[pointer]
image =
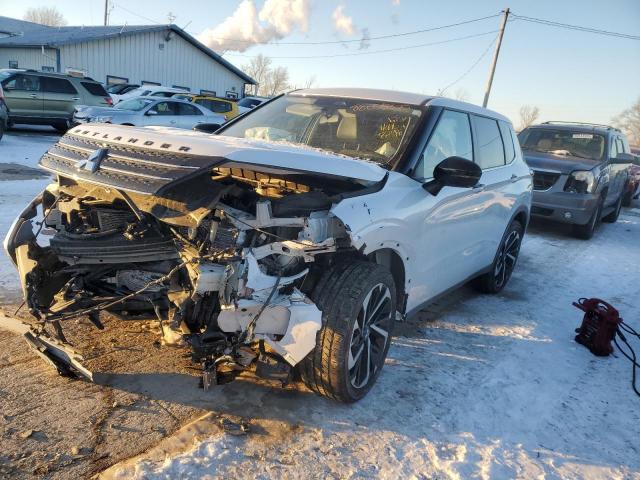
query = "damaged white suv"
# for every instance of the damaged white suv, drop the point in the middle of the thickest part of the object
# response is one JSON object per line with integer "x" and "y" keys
{"x": 294, "y": 237}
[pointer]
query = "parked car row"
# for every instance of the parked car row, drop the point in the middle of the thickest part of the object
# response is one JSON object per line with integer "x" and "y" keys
{"x": 62, "y": 100}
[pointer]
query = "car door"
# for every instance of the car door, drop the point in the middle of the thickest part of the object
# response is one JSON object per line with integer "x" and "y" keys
{"x": 59, "y": 97}
{"x": 23, "y": 95}
{"x": 189, "y": 115}
{"x": 163, "y": 113}
{"x": 495, "y": 153}
{"x": 449, "y": 222}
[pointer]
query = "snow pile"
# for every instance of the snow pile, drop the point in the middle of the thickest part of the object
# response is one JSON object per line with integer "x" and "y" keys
{"x": 476, "y": 387}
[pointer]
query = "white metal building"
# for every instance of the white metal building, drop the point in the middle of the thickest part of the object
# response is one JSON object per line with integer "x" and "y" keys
{"x": 153, "y": 54}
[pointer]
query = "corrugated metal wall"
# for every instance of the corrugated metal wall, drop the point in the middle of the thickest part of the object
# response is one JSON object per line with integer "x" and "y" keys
{"x": 28, "y": 57}
{"x": 148, "y": 56}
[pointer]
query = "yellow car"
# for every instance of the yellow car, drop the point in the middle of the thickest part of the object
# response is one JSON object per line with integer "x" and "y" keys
{"x": 225, "y": 107}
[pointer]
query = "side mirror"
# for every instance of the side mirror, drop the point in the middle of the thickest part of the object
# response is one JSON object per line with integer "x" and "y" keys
{"x": 207, "y": 127}
{"x": 624, "y": 158}
{"x": 453, "y": 172}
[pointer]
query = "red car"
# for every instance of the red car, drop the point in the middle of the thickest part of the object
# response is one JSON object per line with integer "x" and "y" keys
{"x": 632, "y": 189}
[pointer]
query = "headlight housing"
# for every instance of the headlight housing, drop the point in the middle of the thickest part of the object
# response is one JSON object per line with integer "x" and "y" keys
{"x": 580, "y": 181}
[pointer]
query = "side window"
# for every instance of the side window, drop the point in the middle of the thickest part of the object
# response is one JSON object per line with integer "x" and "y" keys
{"x": 184, "y": 109}
{"x": 620, "y": 145}
{"x": 489, "y": 141}
{"x": 507, "y": 140}
{"x": 625, "y": 145}
{"x": 57, "y": 85}
{"x": 613, "y": 148}
{"x": 29, "y": 83}
{"x": 164, "y": 108}
{"x": 451, "y": 137}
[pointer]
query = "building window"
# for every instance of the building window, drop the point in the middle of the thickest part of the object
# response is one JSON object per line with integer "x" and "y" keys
{"x": 113, "y": 80}
{"x": 186, "y": 89}
{"x": 231, "y": 94}
{"x": 13, "y": 64}
{"x": 149, "y": 82}
{"x": 211, "y": 93}
{"x": 161, "y": 46}
{"x": 46, "y": 68}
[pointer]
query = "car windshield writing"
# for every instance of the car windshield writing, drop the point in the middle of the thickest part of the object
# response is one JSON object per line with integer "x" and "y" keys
{"x": 374, "y": 130}
{"x": 135, "y": 104}
{"x": 563, "y": 143}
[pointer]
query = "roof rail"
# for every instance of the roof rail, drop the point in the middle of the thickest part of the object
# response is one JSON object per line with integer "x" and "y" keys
{"x": 589, "y": 124}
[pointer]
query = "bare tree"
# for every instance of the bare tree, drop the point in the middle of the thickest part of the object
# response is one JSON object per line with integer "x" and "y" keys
{"x": 629, "y": 122}
{"x": 528, "y": 116}
{"x": 277, "y": 82}
{"x": 310, "y": 82}
{"x": 271, "y": 81}
{"x": 45, "y": 16}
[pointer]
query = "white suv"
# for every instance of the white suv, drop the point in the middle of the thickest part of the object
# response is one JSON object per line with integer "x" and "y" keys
{"x": 293, "y": 238}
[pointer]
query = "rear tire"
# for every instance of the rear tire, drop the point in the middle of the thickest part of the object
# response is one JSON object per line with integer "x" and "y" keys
{"x": 358, "y": 303}
{"x": 585, "y": 232}
{"x": 613, "y": 216}
{"x": 504, "y": 262}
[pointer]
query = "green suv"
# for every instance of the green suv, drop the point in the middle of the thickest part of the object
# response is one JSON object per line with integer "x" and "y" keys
{"x": 44, "y": 98}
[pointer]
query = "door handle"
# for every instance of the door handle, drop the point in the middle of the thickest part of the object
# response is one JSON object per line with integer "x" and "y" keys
{"x": 514, "y": 177}
{"x": 34, "y": 95}
{"x": 75, "y": 99}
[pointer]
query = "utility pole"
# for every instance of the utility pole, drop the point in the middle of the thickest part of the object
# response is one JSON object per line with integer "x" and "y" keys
{"x": 106, "y": 12}
{"x": 495, "y": 59}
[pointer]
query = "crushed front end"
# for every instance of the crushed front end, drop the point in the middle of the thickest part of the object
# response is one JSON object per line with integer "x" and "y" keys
{"x": 224, "y": 253}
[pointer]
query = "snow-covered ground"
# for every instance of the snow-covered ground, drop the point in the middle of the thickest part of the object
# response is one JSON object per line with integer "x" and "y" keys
{"x": 476, "y": 387}
{"x": 25, "y": 147}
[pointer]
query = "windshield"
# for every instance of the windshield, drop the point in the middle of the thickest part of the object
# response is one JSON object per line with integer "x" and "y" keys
{"x": 563, "y": 143}
{"x": 135, "y": 104}
{"x": 368, "y": 129}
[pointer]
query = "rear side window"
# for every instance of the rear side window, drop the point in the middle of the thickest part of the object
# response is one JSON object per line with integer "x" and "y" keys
{"x": 94, "y": 89}
{"x": 162, "y": 94}
{"x": 215, "y": 106}
{"x": 57, "y": 85}
{"x": 185, "y": 109}
{"x": 451, "y": 137}
{"x": 489, "y": 141}
{"x": 507, "y": 140}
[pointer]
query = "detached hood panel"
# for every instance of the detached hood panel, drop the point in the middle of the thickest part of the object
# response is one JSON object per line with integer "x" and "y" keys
{"x": 562, "y": 164}
{"x": 148, "y": 160}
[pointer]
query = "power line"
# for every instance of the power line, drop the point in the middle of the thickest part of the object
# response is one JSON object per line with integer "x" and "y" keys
{"x": 474, "y": 65}
{"x": 579, "y": 28}
{"x": 372, "y": 52}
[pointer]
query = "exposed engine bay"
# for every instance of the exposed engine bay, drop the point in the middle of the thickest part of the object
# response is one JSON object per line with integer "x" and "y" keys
{"x": 226, "y": 255}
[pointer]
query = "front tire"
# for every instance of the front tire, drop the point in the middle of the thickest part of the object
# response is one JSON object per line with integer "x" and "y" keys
{"x": 358, "y": 303}
{"x": 504, "y": 262}
{"x": 585, "y": 232}
{"x": 613, "y": 216}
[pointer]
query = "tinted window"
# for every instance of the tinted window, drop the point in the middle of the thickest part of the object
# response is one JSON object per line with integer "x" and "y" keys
{"x": 94, "y": 89}
{"x": 30, "y": 83}
{"x": 507, "y": 140}
{"x": 489, "y": 141}
{"x": 613, "y": 149}
{"x": 165, "y": 108}
{"x": 184, "y": 109}
{"x": 162, "y": 94}
{"x": 451, "y": 137}
{"x": 57, "y": 85}
{"x": 620, "y": 146}
{"x": 215, "y": 105}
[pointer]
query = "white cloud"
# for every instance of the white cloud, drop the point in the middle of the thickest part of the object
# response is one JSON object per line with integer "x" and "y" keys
{"x": 247, "y": 27}
{"x": 343, "y": 23}
{"x": 395, "y": 3}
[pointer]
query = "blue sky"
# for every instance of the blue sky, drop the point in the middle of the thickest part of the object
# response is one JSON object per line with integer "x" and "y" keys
{"x": 569, "y": 75}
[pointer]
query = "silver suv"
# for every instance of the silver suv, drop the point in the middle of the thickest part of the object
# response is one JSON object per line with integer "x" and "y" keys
{"x": 579, "y": 172}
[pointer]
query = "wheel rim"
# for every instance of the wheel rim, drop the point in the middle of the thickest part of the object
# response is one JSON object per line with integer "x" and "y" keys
{"x": 507, "y": 258}
{"x": 370, "y": 336}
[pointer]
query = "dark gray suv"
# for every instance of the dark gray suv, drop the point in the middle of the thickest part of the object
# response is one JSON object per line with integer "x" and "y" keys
{"x": 579, "y": 172}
